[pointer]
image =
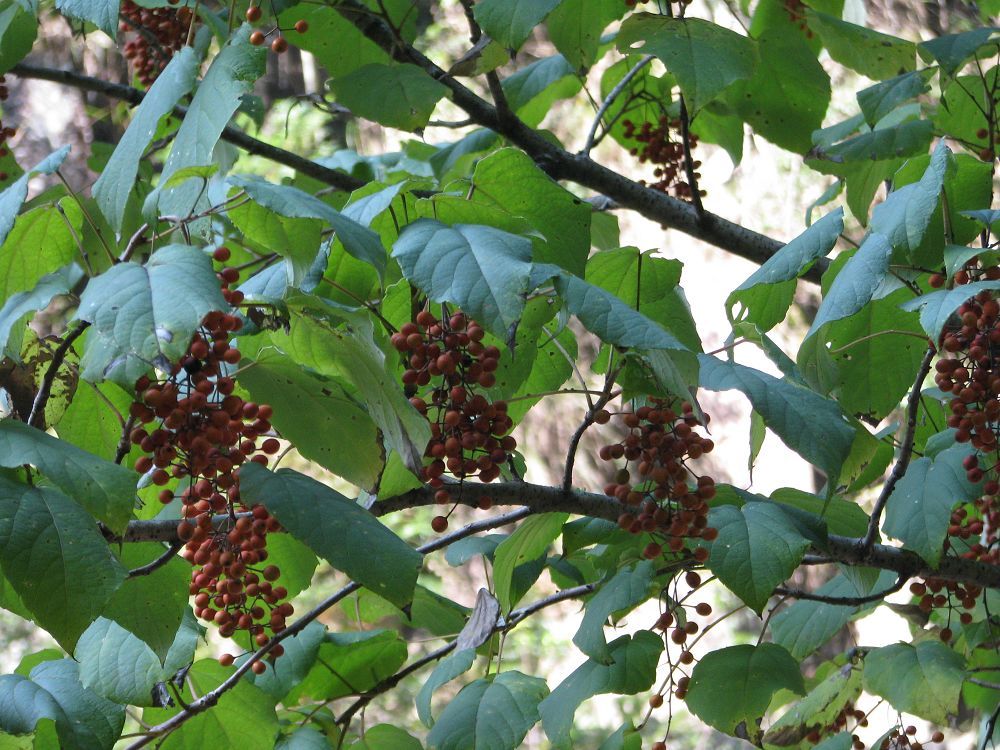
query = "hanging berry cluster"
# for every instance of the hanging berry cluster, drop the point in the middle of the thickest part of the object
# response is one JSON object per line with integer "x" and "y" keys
{"x": 839, "y": 724}
{"x": 902, "y": 738}
{"x": 468, "y": 433}
{"x": 659, "y": 443}
{"x": 659, "y": 147}
{"x": 195, "y": 430}
{"x": 158, "y": 34}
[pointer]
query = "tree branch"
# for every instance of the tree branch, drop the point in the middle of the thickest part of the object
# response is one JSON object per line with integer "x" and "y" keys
{"x": 844, "y": 601}
{"x": 905, "y": 452}
{"x": 237, "y": 137}
{"x": 610, "y": 99}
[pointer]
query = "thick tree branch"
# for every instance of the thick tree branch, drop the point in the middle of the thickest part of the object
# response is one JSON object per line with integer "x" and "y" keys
{"x": 536, "y": 498}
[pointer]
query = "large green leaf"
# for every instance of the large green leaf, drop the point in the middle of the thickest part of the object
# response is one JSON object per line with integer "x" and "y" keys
{"x": 114, "y": 185}
{"x": 146, "y": 314}
{"x": 349, "y": 663}
{"x": 336, "y": 529}
{"x": 16, "y": 311}
{"x": 632, "y": 671}
{"x": 299, "y": 657}
{"x": 105, "y": 489}
{"x": 14, "y": 194}
{"x": 951, "y": 50}
{"x": 774, "y": 280}
{"x": 359, "y": 241}
{"x": 385, "y": 737}
{"x": 102, "y": 13}
{"x": 919, "y": 508}
{"x": 532, "y": 90}
{"x": 648, "y": 284}
{"x": 758, "y": 547}
{"x": 511, "y": 21}
{"x": 529, "y": 541}
{"x": 924, "y": 678}
{"x": 91, "y": 721}
{"x": 231, "y": 76}
{"x": 18, "y": 29}
{"x": 55, "y": 558}
{"x": 751, "y": 675}
{"x": 397, "y": 96}
{"x": 936, "y": 308}
{"x": 483, "y": 270}
{"x": 117, "y": 665}
{"x": 812, "y": 426}
{"x": 339, "y": 46}
{"x": 455, "y": 664}
{"x": 244, "y": 717}
{"x": 490, "y": 714}
{"x": 879, "y": 100}
{"x": 339, "y": 435}
{"x": 23, "y": 704}
{"x": 871, "y": 53}
{"x": 788, "y": 95}
{"x": 705, "y": 58}
{"x": 805, "y": 625}
{"x": 819, "y": 708}
{"x": 575, "y": 28}
{"x": 342, "y": 345}
{"x": 627, "y": 589}
{"x": 298, "y": 240}
{"x": 42, "y": 241}
{"x": 509, "y": 179}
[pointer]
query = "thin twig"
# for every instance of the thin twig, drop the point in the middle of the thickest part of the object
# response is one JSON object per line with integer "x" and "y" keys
{"x": 692, "y": 175}
{"x": 610, "y": 99}
{"x": 844, "y": 601}
{"x": 905, "y": 453}
{"x": 159, "y": 562}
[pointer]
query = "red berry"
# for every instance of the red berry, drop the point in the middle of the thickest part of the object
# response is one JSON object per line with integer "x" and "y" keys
{"x": 257, "y": 39}
{"x": 439, "y": 524}
{"x": 253, "y": 13}
{"x": 279, "y": 45}
{"x": 301, "y": 26}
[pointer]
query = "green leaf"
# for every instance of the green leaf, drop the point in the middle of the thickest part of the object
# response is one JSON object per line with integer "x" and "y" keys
{"x": 881, "y": 99}
{"x": 906, "y": 139}
{"x": 483, "y": 270}
{"x": 23, "y": 704}
{"x": 231, "y": 75}
{"x": 339, "y": 46}
{"x": 607, "y": 316}
{"x": 47, "y": 542}
{"x": 116, "y": 665}
{"x": 339, "y": 435}
{"x": 758, "y": 547}
{"x": 510, "y": 180}
{"x": 511, "y": 21}
{"x": 105, "y": 489}
{"x": 530, "y": 540}
{"x": 349, "y": 663}
{"x": 871, "y": 53}
{"x": 454, "y": 665}
{"x": 841, "y": 516}
{"x": 805, "y": 626}
{"x": 299, "y": 657}
{"x": 14, "y": 194}
{"x": 705, "y": 58}
{"x": 18, "y": 29}
{"x": 627, "y": 589}
{"x": 341, "y": 344}
{"x": 575, "y": 28}
{"x": 298, "y": 240}
{"x": 819, "y": 708}
{"x": 102, "y": 13}
{"x": 952, "y": 50}
{"x": 336, "y": 529}
{"x": 809, "y": 424}
{"x": 751, "y": 674}
{"x": 632, "y": 671}
{"x": 491, "y": 714}
{"x": 310, "y": 738}
{"x": 937, "y": 307}
{"x": 41, "y": 242}
{"x": 532, "y": 90}
{"x": 90, "y": 720}
{"x": 924, "y": 679}
{"x": 758, "y": 292}
{"x": 146, "y": 314}
{"x": 359, "y": 241}
{"x": 296, "y": 561}
{"x": 243, "y": 718}
{"x": 789, "y": 93}
{"x": 20, "y": 305}
{"x": 386, "y": 737}
{"x": 397, "y": 96}
{"x": 919, "y": 508}
{"x": 648, "y": 284}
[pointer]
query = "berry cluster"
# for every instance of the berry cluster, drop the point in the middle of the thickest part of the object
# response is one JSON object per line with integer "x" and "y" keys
{"x": 159, "y": 34}
{"x": 468, "y": 433}
{"x": 899, "y": 739}
{"x": 658, "y": 445}
{"x": 660, "y": 148}
{"x": 988, "y": 153}
{"x": 195, "y": 430}
{"x": 839, "y": 724}
{"x": 279, "y": 44}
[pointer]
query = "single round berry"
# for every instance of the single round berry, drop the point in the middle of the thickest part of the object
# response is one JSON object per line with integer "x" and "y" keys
{"x": 279, "y": 45}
